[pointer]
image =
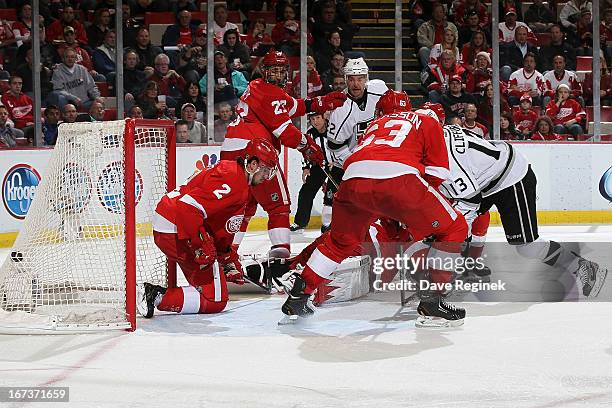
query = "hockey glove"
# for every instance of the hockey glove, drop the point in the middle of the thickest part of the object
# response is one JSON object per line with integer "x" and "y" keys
{"x": 232, "y": 268}
{"x": 311, "y": 151}
{"x": 331, "y": 101}
{"x": 204, "y": 248}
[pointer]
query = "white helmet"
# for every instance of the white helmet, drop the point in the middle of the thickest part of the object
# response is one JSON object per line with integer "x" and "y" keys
{"x": 356, "y": 66}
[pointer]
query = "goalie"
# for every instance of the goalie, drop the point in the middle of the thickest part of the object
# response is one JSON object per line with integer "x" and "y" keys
{"x": 195, "y": 224}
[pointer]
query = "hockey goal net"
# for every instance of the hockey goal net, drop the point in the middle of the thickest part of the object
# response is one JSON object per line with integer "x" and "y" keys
{"x": 87, "y": 239}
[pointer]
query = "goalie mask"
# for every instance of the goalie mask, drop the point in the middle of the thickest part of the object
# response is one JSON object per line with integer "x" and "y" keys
{"x": 266, "y": 156}
{"x": 275, "y": 68}
{"x": 392, "y": 102}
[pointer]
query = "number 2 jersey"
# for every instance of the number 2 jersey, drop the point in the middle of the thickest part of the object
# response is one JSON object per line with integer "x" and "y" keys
{"x": 264, "y": 112}
{"x": 214, "y": 197}
{"x": 479, "y": 167}
{"x": 399, "y": 144}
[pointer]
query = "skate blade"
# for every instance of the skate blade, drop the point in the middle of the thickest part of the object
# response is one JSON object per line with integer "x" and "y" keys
{"x": 289, "y": 320}
{"x": 436, "y": 322}
{"x": 599, "y": 282}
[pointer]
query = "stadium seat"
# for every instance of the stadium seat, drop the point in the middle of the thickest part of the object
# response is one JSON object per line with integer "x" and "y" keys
{"x": 294, "y": 63}
{"x": 606, "y": 113}
{"x": 200, "y": 15}
{"x": 4, "y": 85}
{"x": 268, "y": 16}
{"x": 110, "y": 114}
{"x": 8, "y": 14}
{"x": 103, "y": 88}
{"x": 22, "y": 141}
{"x": 543, "y": 39}
{"x": 584, "y": 63}
{"x": 161, "y": 17}
{"x": 156, "y": 32}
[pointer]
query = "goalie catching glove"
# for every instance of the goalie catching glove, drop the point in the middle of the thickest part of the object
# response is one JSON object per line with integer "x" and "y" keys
{"x": 232, "y": 267}
{"x": 311, "y": 151}
{"x": 331, "y": 101}
{"x": 204, "y": 248}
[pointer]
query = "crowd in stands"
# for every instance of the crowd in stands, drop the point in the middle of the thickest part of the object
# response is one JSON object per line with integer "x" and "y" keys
{"x": 165, "y": 60}
{"x": 543, "y": 96}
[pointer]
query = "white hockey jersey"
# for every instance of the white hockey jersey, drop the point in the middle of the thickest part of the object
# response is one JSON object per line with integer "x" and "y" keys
{"x": 479, "y": 167}
{"x": 349, "y": 121}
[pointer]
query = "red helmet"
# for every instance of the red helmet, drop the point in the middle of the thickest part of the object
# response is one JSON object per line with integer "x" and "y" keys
{"x": 435, "y": 108}
{"x": 264, "y": 152}
{"x": 393, "y": 101}
{"x": 275, "y": 59}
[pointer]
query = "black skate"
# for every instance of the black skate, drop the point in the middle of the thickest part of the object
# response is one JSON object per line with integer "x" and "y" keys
{"x": 480, "y": 273}
{"x": 325, "y": 228}
{"x": 591, "y": 276}
{"x": 296, "y": 228}
{"x": 148, "y": 297}
{"x": 435, "y": 312}
{"x": 298, "y": 303}
{"x": 268, "y": 274}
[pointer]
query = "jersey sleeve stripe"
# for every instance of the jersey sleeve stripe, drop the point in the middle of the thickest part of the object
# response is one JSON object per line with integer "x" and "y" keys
{"x": 293, "y": 108}
{"x": 279, "y": 130}
{"x": 232, "y": 144}
{"x": 187, "y": 199}
{"x": 439, "y": 172}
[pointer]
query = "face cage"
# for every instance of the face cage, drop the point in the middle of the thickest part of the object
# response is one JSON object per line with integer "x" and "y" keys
{"x": 271, "y": 79}
{"x": 262, "y": 167}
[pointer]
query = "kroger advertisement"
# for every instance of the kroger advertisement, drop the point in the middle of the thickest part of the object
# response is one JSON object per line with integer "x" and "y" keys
{"x": 570, "y": 177}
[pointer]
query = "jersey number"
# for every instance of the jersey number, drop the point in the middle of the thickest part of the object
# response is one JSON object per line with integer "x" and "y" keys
{"x": 222, "y": 191}
{"x": 459, "y": 183}
{"x": 399, "y": 135}
{"x": 279, "y": 106}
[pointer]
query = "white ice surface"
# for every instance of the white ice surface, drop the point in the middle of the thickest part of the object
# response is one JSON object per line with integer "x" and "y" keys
{"x": 365, "y": 353}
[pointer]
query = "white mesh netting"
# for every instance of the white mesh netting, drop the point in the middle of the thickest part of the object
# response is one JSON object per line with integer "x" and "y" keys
{"x": 67, "y": 268}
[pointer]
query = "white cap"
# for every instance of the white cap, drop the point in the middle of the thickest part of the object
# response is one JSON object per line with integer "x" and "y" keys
{"x": 356, "y": 66}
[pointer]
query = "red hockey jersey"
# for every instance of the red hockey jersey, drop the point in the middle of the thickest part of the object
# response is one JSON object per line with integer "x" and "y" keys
{"x": 214, "y": 197}
{"x": 264, "y": 112}
{"x": 569, "y": 109}
{"x": 398, "y": 144}
{"x": 524, "y": 120}
{"x": 19, "y": 108}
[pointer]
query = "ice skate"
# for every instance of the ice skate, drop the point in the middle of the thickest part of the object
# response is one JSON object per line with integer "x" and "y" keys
{"x": 591, "y": 277}
{"x": 298, "y": 229}
{"x": 325, "y": 228}
{"x": 298, "y": 303}
{"x": 148, "y": 296}
{"x": 435, "y": 312}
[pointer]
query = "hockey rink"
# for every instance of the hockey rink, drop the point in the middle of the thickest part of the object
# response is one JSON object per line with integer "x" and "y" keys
{"x": 363, "y": 353}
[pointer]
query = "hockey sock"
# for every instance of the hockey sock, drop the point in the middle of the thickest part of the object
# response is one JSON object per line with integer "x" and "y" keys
{"x": 476, "y": 246}
{"x": 549, "y": 252}
{"x": 326, "y": 215}
{"x": 188, "y": 300}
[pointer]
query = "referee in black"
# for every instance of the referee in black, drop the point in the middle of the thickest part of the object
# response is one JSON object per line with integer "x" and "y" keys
{"x": 313, "y": 176}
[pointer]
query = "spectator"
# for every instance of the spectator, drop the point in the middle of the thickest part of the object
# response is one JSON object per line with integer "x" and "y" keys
{"x": 140, "y": 7}
{"x": 326, "y": 52}
{"x": 197, "y": 130}
{"x": 133, "y": 78}
{"x": 455, "y": 100}
{"x": 557, "y": 46}
{"x": 583, "y": 39}
{"x": 229, "y": 84}
{"x": 135, "y": 112}
{"x": 153, "y": 106}
{"x": 221, "y": 25}
{"x": 72, "y": 83}
{"x": 221, "y": 124}
{"x": 130, "y": 27}
{"x": 539, "y": 17}
{"x": 258, "y": 40}
{"x": 437, "y": 79}
{"x": 192, "y": 60}
{"x": 526, "y": 80}
{"x": 182, "y": 131}
{"x": 338, "y": 83}
{"x": 559, "y": 75}
{"x": 48, "y": 53}
{"x": 286, "y": 33}
{"x": 55, "y": 31}
{"x": 336, "y": 68}
{"x": 327, "y": 21}
{"x": 19, "y": 106}
{"x": 471, "y": 7}
{"x": 544, "y": 130}
{"x": 481, "y": 76}
{"x": 236, "y": 52}
{"x": 169, "y": 82}
{"x": 470, "y": 123}
{"x": 100, "y": 26}
{"x": 8, "y": 134}
{"x": 477, "y": 44}
{"x": 566, "y": 114}
{"x": 513, "y": 55}
{"x": 605, "y": 30}
{"x": 70, "y": 113}
{"x": 570, "y": 13}
{"x": 193, "y": 96}
{"x": 472, "y": 27}
{"x": 22, "y": 28}
{"x": 485, "y": 107}
{"x": 7, "y": 43}
{"x": 449, "y": 42}
{"x": 180, "y": 33}
{"x": 508, "y": 27}
{"x": 180, "y": 5}
{"x": 104, "y": 57}
{"x": 51, "y": 125}
{"x": 81, "y": 53}
{"x": 506, "y": 5}
{"x": 313, "y": 80}
{"x": 524, "y": 117}
{"x": 432, "y": 32}
{"x": 95, "y": 114}
{"x": 507, "y": 130}
{"x": 145, "y": 50}
{"x": 605, "y": 85}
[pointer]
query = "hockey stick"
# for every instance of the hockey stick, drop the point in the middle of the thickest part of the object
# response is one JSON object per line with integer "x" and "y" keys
{"x": 329, "y": 176}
